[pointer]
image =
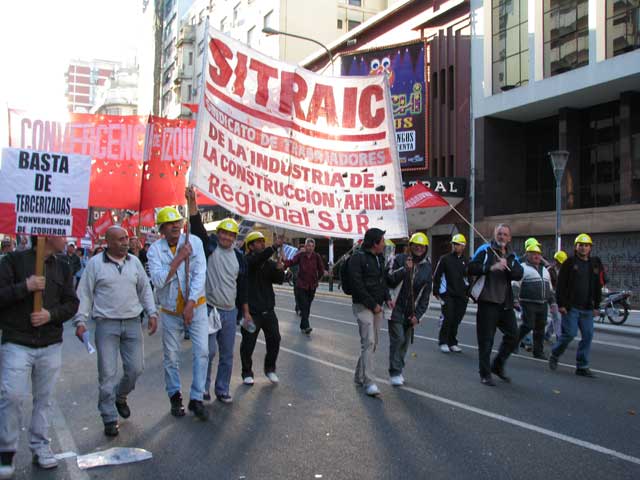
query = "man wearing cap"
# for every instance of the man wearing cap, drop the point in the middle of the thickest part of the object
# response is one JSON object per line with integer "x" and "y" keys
{"x": 533, "y": 293}
{"x": 7, "y": 246}
{"x": 410, "y": 281}
{"x": 369, "y": 294}
{"x": 226, "y": 290}
{"x": 263, "y": 273}
{"x": 116, "y": 275}
{"x": 310, "y": 271}
{"x": 181, "y": 307}
{"x": 451, "y": 285}
{"x": 555, "y": 324}
{"x": 579, "y": 294}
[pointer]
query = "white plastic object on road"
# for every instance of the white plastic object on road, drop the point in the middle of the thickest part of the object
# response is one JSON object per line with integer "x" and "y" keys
{"x": 113, "y": 456}
{"x": 87, "y": 342}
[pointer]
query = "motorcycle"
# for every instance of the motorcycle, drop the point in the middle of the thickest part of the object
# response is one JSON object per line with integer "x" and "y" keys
{"x": 615, "y": 306}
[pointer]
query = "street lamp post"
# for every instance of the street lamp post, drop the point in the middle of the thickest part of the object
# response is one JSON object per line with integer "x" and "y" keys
{"x": 273, "y": 31}
{"x": 558, "y": 162}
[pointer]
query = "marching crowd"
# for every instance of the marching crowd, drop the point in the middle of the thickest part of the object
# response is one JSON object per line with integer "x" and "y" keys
{"x": 203, "y": 283}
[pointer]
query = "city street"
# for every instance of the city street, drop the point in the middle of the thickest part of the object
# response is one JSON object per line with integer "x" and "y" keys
{"x": 318, "y": 424}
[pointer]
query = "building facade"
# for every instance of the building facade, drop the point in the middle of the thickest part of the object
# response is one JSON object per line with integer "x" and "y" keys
{"x": 119, "y": 94}
{"x": 560, "y": 75}
{"x": 83, "y": 78}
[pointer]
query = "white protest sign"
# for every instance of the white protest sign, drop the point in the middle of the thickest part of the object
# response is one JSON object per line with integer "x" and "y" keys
{"x": 44, "y": 193}
{"x": 284, "y": 146}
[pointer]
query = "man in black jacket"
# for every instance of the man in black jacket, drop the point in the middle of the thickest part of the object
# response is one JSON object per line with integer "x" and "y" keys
{"x": 451, "y": 285}
{"x": 496, "y": 265}
{"x": 579, "y": 291}
{"x": 370, "y": 293}
{"x": 263, "y": 273}
{"x": 31, "y": 346}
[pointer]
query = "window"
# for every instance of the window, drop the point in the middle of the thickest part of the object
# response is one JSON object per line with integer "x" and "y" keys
{"x": 434, "y": 85}
{"x": 200, "y": 47}
{"x": 251, "y": 36}
{"x": 355, "y": 3}
{"x": 510, "y": 61}
{"x": 566, "y": 35}
{"x": 268, "y": 20}
{"x": 352, "y": 24}
{"x": 223, "y": 24}
{"x": 190, "y": 61}
{"x": 189, "y": 93}
{"x": 339, "y": 24}
{"x": 623, "y": 26}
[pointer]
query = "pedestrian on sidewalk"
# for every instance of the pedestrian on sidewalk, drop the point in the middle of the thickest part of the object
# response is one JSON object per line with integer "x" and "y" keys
{"x": 310, "y": 271}
{"x": 579, "y": 293}
{"x": 263, "y": 273}
{"x": 410, "y": 281}
{"x": 495, "y": 265}
{"x": 370, "y": 293}
{"x": 31, "y": 349}
{"x": 227, "y": 290}
{"x": 534, "y": 294}
{"x": 179, "y": 309}
{"x": 451, "y": 286}
{"x": 555, "y": 323}
{"x": 115, "y": 290}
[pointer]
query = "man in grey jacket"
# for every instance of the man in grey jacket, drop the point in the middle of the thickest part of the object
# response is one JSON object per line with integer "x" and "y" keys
{"x": 114, "y": 290}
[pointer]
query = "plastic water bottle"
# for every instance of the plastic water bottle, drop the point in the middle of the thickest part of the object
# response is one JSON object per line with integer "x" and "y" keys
{"x": 248, "y": 325}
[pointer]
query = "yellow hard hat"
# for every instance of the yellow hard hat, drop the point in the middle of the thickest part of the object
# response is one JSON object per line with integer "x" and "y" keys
{"x": 459, "y": 239}
{"x": 583, "y": 238}
{"x": 419, "y": 238}
{"x": 533, "y": 248}
{"x": 168, "y": 214}
{"x": 253, "y": 236}
{"x": 228, "y": 225}
{"x": 389, "y": 243}
{"x": 560, "y": 256}
{"x": 531, "y": 241}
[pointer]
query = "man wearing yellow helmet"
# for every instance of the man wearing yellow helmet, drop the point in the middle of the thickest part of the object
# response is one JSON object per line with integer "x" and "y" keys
{"x": 180, "y": 309}
{"x": 579, "y": 294}
{"x": 451, "y": 285}
{"x": 410, "y": 282}
{"x": 554, "y": 325}
{"x": 227, "y": 290}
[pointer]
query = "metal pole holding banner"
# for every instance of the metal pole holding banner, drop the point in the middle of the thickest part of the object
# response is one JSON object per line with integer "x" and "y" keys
{"x": 331, "y": 264}
{"x": 37, "y": 296}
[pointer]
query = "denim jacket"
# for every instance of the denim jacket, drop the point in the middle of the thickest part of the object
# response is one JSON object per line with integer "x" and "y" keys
{"x": 159, "y": 261}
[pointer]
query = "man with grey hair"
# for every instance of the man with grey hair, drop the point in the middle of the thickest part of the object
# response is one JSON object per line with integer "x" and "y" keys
{"x": 114, "y": 290}
{"x": 495, "y": 265}
{"x": 310, "y": 271}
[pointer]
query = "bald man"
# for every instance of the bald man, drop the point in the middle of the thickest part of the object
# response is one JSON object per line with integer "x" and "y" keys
{"x": 115, "y": 290}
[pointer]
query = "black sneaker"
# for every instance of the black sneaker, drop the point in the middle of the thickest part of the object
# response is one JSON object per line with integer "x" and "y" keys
{"x": 553, "y": 362}
{"x": 308, "y": 330}
{"x": 177, "y": 409}
{"x": 488, "y": 381}
{"x": 111, "y": 429}
{"x": 499, "y": 371}
{"x": 224, "y": 398}
{"x": 123, "y": 409}
{"x": 206, "y": 397}
{"x": 197, "y": 407}
{"x": 585, "y": 372}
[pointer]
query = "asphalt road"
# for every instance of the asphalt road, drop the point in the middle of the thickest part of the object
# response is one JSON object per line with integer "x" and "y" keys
{"x": 318, "y": 424}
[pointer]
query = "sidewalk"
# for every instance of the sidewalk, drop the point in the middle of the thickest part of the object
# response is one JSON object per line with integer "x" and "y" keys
{"x": 630, "y": 327}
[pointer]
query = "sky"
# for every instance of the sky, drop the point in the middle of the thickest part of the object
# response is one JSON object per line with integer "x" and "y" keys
{"x": 39, "y": 37}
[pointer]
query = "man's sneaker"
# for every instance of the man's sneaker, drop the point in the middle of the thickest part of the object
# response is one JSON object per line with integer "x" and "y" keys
{"x": 488, "y": 381}
{"x": 273, "y": 378}
{"x": 248, "y": 380}
{"x": 197, "y": 407}
{"x": 123, "y": 409}
{"x": 206, "y": 397}
{"x": 444, "y": 348}
{"x": 7, "y": 467}
{"x": 455, "y": 349}
{"x": 45, "y": 458}
{"x": 225, "y": 398}
{"x": 585, "y": 372}
{"x": 396, "y": 381}
{"x": 187, "y": 335}
{"x": 553, "y": 362}
{"x": 499, "y": 371}
{"x": 373, "y": 390}
{"x": 111, "y": 429}
{"x": 177, "y": 409}
{"x": 307, "y": 330}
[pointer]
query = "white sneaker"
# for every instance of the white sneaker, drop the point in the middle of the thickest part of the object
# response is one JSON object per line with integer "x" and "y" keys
{"x": 455, "y": 349}
{"x": 396, "y": 381}
{"x": 444, "y": 348}
{"x": 373, "y": 390}
{"x": 45, "y": 458}
{"x": 8, "y": 471}
{"x": 273, "y": 377}
{"x": 247, "y": 380}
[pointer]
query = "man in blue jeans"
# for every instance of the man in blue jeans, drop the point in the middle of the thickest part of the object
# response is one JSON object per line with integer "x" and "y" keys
{"x": 578, "y": 293}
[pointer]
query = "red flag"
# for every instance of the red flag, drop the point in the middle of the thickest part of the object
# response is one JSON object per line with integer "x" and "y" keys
{"x": 147, "y": 217}
{"x": 420, "y": 196}
{"x": 103, "y": 223}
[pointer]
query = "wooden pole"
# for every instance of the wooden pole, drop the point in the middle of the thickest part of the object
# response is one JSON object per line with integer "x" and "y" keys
{"x": 37, "y": 296}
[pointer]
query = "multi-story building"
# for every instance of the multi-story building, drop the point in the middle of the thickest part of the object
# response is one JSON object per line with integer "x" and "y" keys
{"x": 83, "y": 77}
{"x": 560, "y": 75}
{"x": 119, "y": 94}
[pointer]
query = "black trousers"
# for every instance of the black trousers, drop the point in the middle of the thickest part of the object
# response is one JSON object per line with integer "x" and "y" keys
{"x": 453, "y": 311}
{"x": 268, "y": 323}
{"x": 534, "y": 317}
{"x": 305, "y": 298}
{"x": 491, "y": 316}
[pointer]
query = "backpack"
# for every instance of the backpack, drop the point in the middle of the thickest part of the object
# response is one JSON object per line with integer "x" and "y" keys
{"x": 345, "y": 277}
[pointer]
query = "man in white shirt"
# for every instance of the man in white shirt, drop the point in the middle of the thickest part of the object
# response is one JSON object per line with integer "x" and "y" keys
{"x": 114, "y": 290}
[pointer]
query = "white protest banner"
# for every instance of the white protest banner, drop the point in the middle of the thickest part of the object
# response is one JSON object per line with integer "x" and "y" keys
{"x": 287, "y": 147}
{"x": 44, "y": 193}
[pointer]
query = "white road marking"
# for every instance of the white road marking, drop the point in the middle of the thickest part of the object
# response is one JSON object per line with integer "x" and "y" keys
{"x": 65, "y": 439}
